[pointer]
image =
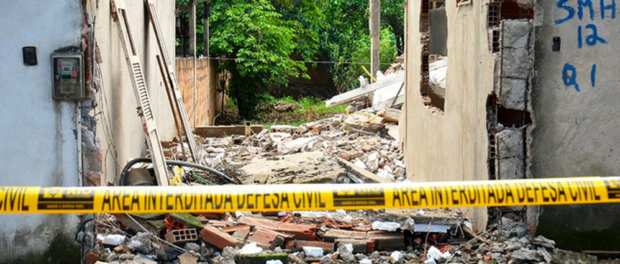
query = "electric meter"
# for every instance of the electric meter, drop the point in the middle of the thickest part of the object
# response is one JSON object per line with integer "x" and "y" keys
{"x": 68, "y": 76}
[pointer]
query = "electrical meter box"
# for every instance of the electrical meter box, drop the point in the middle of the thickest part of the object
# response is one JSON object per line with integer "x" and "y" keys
{"x": 68, "y": 76}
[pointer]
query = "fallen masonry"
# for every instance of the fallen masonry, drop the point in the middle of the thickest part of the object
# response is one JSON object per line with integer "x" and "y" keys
{"x": 392, "y": 236}
{"x": 354, "y": 148}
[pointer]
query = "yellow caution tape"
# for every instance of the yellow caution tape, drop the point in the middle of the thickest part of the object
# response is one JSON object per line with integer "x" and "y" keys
{"x": 61, "y": 200}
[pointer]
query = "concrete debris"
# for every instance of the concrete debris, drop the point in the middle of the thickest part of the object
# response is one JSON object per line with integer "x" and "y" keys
{"x": 310, "y": 153}
{"x": 313, "y": 252}
{"x": 113, "y": 240}
{"x": 385, "y": 226}
{"x": 341, "y": 149}
{"x": 250, "y": 248}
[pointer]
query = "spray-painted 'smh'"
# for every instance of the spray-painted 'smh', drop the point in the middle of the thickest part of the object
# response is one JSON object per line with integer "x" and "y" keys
{"x": 230, "y": 198}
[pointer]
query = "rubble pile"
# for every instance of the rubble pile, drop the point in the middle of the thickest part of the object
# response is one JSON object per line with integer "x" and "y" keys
{"x": 316, "y": 152}
{"x": 348, "y": 148}
{"x": 296, "y": 237}
{"x": 368, "y": 237}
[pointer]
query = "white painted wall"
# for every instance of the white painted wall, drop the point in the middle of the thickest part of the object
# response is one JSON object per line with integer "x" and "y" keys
{"x": 38, "y": 146}
{"x": 120, "y": 130}
{"x": 38, "y": 140}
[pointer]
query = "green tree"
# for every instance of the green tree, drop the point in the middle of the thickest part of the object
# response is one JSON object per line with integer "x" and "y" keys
{"x": 259, "y": 43}
{"x": 259, "y": 38}
{"x": 346, "y": 38}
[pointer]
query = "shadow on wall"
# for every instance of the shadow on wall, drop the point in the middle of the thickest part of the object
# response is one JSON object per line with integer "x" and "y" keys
{"x": 61, "y": 250}
{"x": 559, "y": 223}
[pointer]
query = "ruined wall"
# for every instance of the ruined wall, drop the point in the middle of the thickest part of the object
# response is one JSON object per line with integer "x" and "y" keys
{"x": 575, "y": 101}
{"x": 203, "y": 103}
{"x": 451, "y": 145}
{"x": 119, "y": 128}
{"x": 38, "y": 142}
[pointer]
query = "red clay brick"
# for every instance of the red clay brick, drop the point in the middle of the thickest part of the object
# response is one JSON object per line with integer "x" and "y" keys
{"x": 91, "y": 258}
{"x": 263, "y": 238}
{"x": 359, "y": 246}
{"x": 303, "y": 232}
{"x": 264, "y": 223}
{"x": 387, "y": 240}
{"x": 300, "y": 231}
{"x": 218, "y": 238}
{"x": 241, "y": 234}
{"x": 171, "y": 224}
{"x": 232, "y": 229}
{"x": 332, "y": 235}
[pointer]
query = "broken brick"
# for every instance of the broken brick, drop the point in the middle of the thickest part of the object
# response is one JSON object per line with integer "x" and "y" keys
{"x": 232, "y": 229}
{"x": 326, "y": 246}
{"x": 241, "y": 234}
{"x": 345, "y": 156}
{"x": 217, "y": 223}
{"x": 332, "y": 235}
{"x": 387, "y": 240}
{"x": 218, "y": 238}
{"x": 180, "y": 236}
{"x": 172, "y": 224}
{"x": 300, "y": 231}
{"x": 214, "y": 216}
{"x": 359, "y": 246}
{"x": 120, "y": 248}
{"x": 91, "y": 258}
{"x": 330, "y": 222}
{"x": 304, "y": 232}
{"x": 264, "y": 223}
{"x": 265, "y": 238}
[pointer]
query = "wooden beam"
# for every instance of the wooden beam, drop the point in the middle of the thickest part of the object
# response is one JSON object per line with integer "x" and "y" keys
{"x": 222, "y": 131}
{"x": 366, "y": 176}
{"x": 366, "y": 91}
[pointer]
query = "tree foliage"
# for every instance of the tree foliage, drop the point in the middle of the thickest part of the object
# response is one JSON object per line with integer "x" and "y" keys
{"x": 259, "y": 42}
{"x": 346, "y": 38}
{"x": 259, "y": 38}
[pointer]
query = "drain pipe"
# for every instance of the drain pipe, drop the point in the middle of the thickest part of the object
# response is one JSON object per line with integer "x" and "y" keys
{"x": 248, "y": 129}
{"x": 78, "y": 128}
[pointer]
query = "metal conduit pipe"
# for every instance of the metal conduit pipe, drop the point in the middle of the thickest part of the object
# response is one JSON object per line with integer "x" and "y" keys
{"x": 170, "y": 162}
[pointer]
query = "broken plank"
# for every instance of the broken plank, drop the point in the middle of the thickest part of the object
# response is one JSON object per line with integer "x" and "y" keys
{"x": 365, "y": 175}
{"x": 365, "y": 91}
{"x": 222, "y": 131}
{"x": 364, "y": 128}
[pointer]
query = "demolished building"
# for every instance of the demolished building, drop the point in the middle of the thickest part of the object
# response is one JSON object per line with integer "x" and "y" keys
{"x": 527, "y": 95}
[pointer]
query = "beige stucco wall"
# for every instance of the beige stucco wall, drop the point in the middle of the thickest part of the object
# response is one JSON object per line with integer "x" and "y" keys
{"x": 576, "y": 132}
{"x": 120, "y": 130}
{"x": 451, "y": 146}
